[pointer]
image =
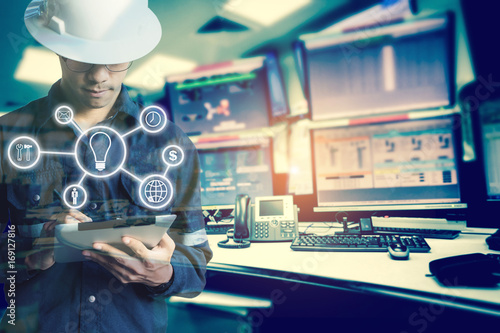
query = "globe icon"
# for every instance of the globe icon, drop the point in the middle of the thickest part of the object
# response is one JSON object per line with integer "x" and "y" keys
{"x": 156, "y": 191}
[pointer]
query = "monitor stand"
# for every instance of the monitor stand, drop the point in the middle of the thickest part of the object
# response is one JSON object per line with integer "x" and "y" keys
{"x": 365, "y": 227}
{"x": 347, "y": 230}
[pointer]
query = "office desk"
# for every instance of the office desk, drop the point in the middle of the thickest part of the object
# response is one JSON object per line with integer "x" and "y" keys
{"x": 345, "y": 287}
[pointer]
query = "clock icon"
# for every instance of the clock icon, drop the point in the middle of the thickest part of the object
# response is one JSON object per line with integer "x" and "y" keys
{"x": 153, "y": 119}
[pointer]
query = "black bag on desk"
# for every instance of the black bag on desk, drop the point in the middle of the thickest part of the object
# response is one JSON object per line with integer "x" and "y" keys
{"x": 475, "y": 269}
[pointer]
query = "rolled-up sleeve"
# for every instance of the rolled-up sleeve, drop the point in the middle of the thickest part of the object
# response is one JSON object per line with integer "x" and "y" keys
{"x": 192, "y": 252}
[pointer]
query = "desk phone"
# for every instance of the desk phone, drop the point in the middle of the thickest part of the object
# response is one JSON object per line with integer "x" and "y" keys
{"x": 270, "y": 219}
{"x": 274, "y": 219}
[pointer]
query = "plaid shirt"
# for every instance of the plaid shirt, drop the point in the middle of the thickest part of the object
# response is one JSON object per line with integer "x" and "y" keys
{"x": 83, "y": 296}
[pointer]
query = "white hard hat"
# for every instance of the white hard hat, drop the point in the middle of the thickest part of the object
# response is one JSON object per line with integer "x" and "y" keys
{"x": 94, "y": 31}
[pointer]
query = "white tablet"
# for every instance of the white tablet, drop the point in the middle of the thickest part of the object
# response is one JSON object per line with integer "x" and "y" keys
{"x": 75, "y": 237}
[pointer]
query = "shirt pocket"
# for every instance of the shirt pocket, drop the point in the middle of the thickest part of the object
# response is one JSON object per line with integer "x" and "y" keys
{"x": 34, "y": 189}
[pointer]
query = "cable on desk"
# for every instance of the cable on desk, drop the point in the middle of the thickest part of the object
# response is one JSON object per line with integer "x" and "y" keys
{"x": 328, "y": 225}
{"x": 305, "y": 231}
{"x": 336, "y": 215}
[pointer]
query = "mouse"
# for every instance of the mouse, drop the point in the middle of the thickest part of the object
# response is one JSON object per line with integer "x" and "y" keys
{"x": 493, "y": 241}
{"x": 398, "y": 251}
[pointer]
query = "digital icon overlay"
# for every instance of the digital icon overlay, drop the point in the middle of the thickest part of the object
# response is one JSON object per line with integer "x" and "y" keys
{"x": 75, "y": 196}
{"x": 156, "y": 192}
{"x": 100, "y": 151}
{"x": 153, "y": 119}
{"x": 108, "y": 153}
{"x": 24, "y": 152}
{"x": 64, "y": 115}
{"x": 173, "y": 156}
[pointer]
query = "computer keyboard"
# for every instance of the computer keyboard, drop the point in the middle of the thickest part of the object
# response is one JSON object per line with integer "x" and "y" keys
{"x": 358, "y": 243}
{"x": 218, "y": 229}
{"x": 426, "y": 233}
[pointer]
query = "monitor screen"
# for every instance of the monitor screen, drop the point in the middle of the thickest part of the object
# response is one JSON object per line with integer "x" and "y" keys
{"x": 235, "y": 167}
{"x": 490, "y": 135}
{"x": 271, "y": 207}
{"x": 231, "y": 96}
{"x": 385, "y": 166}
{"x": 393, "y": 68}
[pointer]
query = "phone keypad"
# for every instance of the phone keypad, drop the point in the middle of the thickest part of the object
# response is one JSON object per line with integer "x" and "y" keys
{"x": 287, "y": 229}
{"x": 261, "y": 230}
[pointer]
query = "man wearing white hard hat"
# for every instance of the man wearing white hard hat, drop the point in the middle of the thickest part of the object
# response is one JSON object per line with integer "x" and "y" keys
{"x": 49, "y": 178}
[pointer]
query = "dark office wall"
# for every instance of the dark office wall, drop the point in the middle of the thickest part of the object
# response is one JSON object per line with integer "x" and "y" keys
{"x": 482, "y": 26}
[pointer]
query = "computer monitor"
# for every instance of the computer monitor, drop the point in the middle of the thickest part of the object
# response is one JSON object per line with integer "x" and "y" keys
{"x": 403, "y": 66}
{"x": 231, "y": 96}
{"x": 489, "y": 115}
{"x": 239, "y": 166}
{"x": 401, "y": 165}
{"x": 485, "y": 170}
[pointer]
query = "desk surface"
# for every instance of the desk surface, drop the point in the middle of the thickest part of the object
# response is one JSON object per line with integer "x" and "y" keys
{"x": 369, "y": 271}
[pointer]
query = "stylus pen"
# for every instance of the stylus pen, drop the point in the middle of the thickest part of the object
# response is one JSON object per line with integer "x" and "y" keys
{"x": 58, "y": 195}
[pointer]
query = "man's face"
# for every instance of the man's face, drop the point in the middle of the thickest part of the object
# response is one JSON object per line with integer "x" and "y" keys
{"x": 95, "y": 89}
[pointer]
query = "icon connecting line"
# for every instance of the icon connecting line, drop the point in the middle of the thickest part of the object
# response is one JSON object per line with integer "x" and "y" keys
{"x": 108, "y": 151}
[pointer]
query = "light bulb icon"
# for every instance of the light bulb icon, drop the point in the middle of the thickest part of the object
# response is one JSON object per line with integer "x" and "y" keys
{"x": 100, "y": 143}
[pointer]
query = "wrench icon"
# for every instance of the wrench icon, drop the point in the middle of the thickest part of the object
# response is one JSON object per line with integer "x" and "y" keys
{"x": 19, "y": 148}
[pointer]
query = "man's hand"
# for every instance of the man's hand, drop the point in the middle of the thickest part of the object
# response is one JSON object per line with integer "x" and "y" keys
{"x": 41, "y": 257}
{"x": 149, "y": 267}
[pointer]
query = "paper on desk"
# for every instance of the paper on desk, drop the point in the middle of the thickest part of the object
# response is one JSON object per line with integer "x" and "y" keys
{"x": 301, "y": 178}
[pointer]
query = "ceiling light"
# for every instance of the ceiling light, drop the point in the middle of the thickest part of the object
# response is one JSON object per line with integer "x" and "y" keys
{"x": 264, "y": 12}
{"x": 218, "y": 24}
{"x": 151, "y": 74}
{"x": 38, "y": 65}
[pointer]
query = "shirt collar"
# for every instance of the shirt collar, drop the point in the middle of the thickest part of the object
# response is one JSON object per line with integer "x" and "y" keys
{"x": 56, "y": 98}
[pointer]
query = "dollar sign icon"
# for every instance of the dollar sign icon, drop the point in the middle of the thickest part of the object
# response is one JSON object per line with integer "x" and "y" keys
{"x": 173, "y": 155}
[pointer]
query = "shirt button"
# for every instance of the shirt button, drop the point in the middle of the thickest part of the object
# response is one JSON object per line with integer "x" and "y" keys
{"x": 36, "y": 197}
{"x": 92, "y": 299}
{"x": 93, "y": 206}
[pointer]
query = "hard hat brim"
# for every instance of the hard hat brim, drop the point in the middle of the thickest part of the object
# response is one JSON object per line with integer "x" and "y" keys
{"x": 126, "y": 49}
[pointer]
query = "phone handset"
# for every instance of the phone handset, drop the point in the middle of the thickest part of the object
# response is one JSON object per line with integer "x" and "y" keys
{"x": 242, "y": 216}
